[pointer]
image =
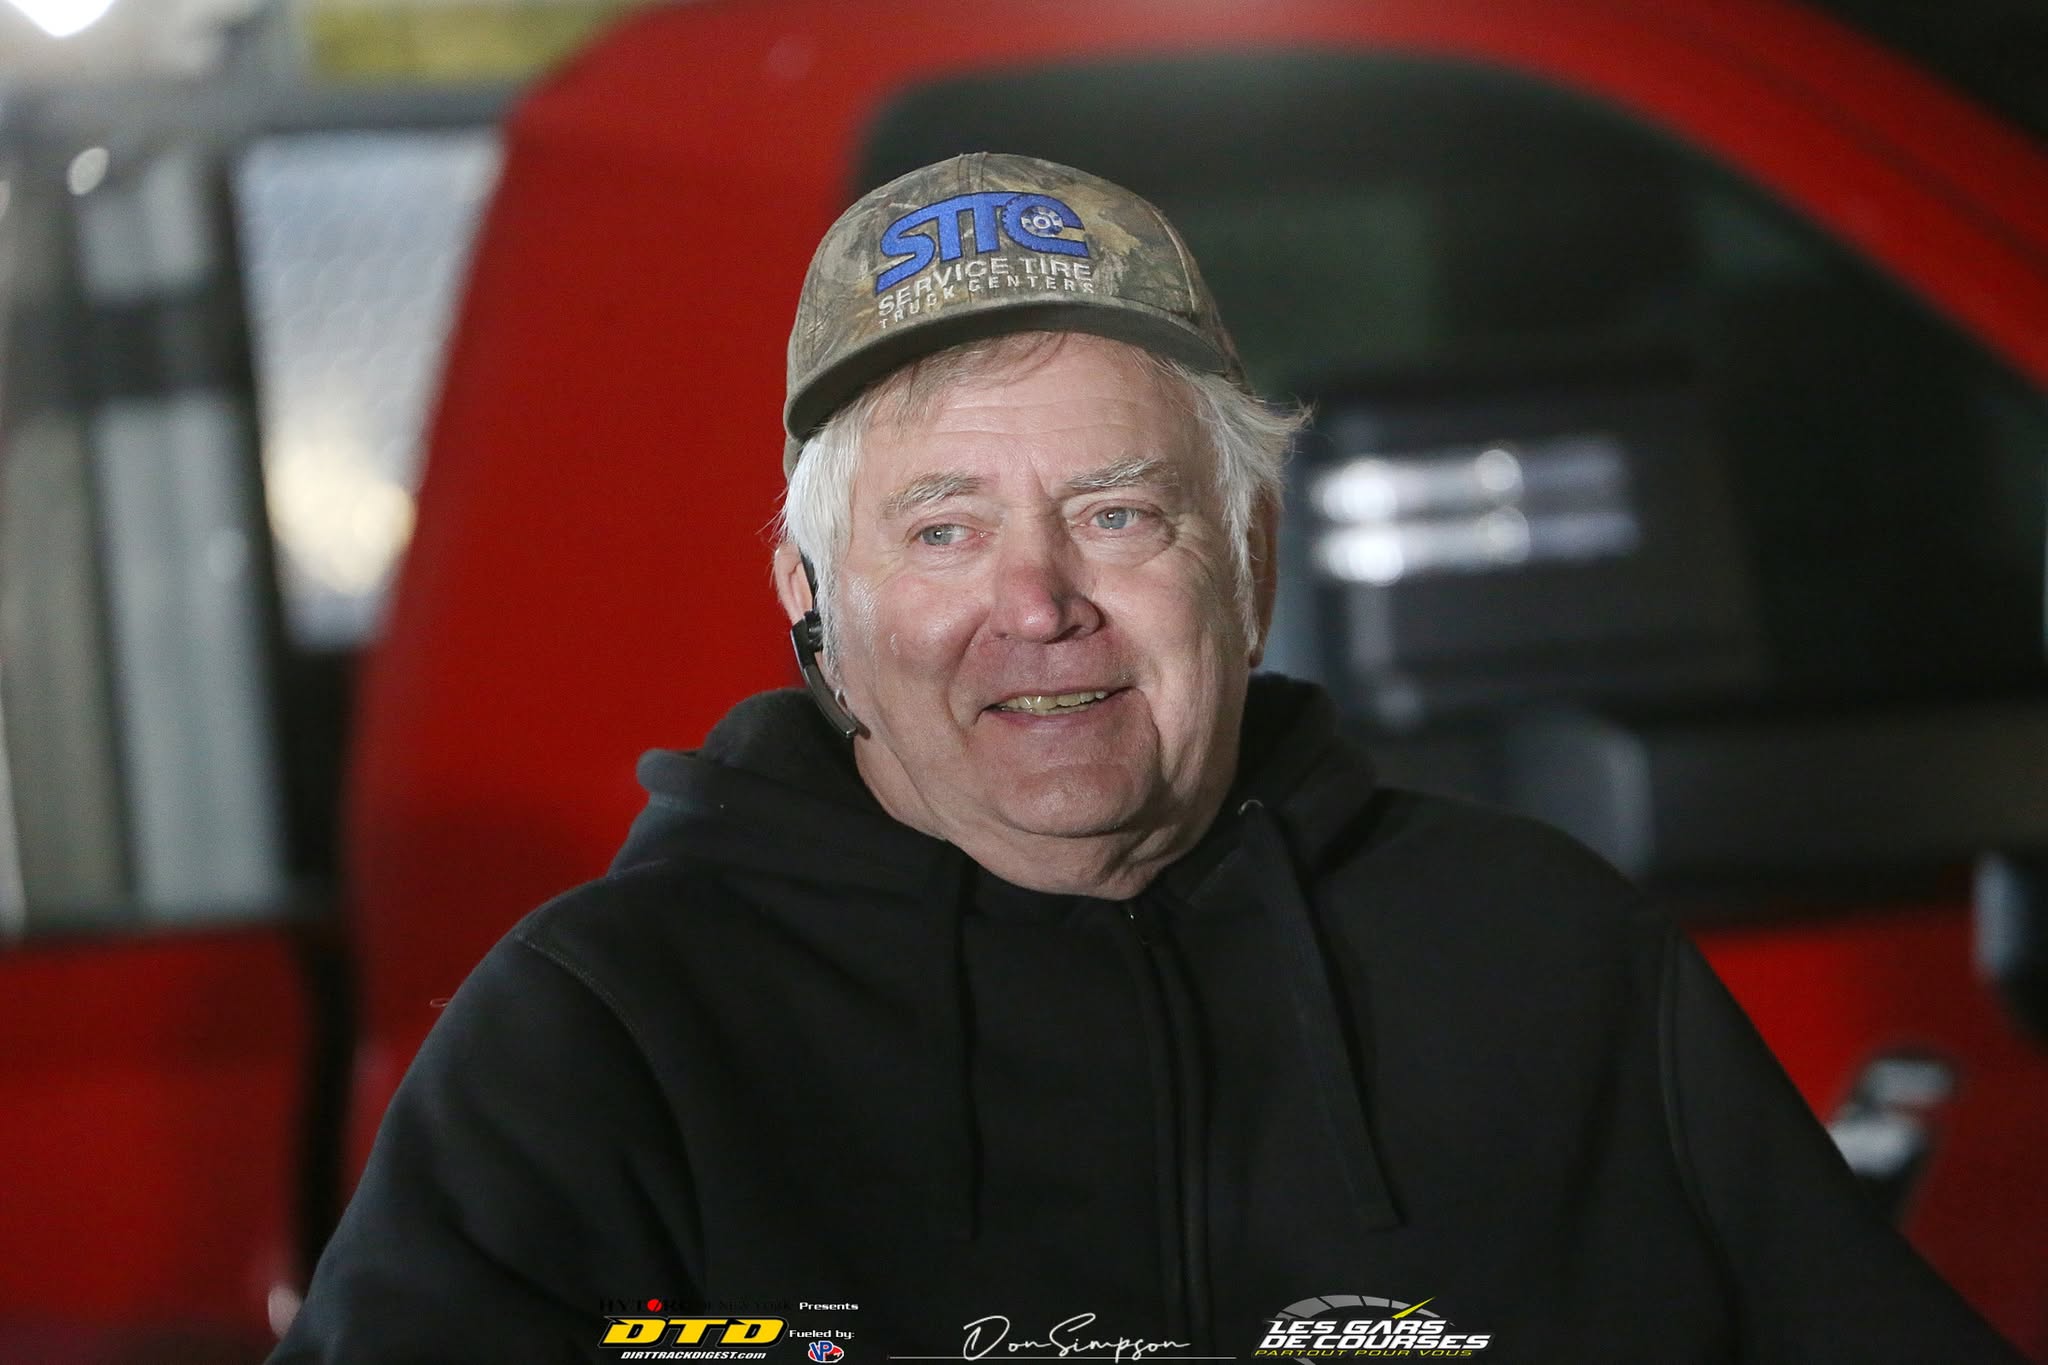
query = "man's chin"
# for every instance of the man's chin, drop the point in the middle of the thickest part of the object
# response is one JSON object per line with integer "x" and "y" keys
{"x": 1071, "y": 804}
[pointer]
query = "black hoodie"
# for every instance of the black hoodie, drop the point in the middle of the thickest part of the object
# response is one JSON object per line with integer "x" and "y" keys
{"x": 1413, "y": 1073}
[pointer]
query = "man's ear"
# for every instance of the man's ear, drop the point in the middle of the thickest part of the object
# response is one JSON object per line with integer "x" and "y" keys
{"x": 792, "y": 588}
{"x": 1264, "y": 535}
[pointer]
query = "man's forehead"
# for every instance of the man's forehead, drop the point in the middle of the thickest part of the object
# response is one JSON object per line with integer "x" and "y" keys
{"x": 1126, "y": 471}
{"x": 1059, "y": 413}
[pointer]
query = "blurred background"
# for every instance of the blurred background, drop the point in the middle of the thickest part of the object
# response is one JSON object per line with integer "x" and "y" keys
{"x": 389, "y": 398}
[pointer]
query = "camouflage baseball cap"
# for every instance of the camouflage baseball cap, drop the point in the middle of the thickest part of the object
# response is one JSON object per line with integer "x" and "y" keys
{"x": 982, "y": 245}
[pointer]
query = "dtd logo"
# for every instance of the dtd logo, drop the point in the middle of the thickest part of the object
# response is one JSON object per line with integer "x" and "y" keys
{"x": 1029, "y": 219}
{"x": 690, "y": 1331}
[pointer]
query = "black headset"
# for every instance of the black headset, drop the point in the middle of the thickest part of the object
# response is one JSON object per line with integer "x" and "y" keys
{"x": 807, "y": 637}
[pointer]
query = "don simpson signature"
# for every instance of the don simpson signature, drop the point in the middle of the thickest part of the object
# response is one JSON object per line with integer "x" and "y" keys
{"x": 985, "y": 1335}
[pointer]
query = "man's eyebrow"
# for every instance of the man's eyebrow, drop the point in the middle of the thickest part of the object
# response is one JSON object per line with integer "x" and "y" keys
{"x": 923, "y": 492}
{"x": 1125, "y": 473}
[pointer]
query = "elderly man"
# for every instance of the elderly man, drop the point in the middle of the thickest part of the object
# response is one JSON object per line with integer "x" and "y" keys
{"x": 1053, "y": 987}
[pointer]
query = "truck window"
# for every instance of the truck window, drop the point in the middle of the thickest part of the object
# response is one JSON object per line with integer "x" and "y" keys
{"x": 1817, "y": 491}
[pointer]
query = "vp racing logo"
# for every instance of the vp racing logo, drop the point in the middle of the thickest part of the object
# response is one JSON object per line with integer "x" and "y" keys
{"x": 1338, "y": 1326}
{"x": 1036, "y": 222}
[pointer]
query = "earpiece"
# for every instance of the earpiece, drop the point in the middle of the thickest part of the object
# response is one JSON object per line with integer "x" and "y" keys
{"x": 807, "y": 637}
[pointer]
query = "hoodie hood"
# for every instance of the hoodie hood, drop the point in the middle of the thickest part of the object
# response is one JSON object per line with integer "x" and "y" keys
{"x": 775, "y": 790}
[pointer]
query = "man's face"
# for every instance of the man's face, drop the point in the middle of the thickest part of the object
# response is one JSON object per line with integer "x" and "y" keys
{"x": 1038, "y": 624}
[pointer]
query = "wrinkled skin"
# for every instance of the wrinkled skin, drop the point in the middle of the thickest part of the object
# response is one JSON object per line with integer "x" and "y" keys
{"x": 983, "y": 567}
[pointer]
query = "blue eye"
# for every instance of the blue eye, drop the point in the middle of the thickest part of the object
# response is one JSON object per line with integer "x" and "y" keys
{"x": 946, "y": 534}
{"x": 1116, "y": 518}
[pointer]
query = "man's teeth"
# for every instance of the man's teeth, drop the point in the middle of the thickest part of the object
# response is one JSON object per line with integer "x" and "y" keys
{"x": 1046, "y": 705}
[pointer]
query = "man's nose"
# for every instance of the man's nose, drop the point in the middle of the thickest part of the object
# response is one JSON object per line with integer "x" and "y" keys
{"x": 1040, "y": 595}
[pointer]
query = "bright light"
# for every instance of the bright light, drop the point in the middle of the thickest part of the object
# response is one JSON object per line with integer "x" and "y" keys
{"x": 1370, "y": 554}
{"x": 1375, "y": 488}
{"x": 87, "y": 170}
{"x": 62, "y": 18}
{"x": 1498, "y": 472}
{"x": 340, "y": 521}
{"x": 283, "y": 1305}
{"x": 1474, "y": 509}
{"x": 1386, "y": 554}
{"x": 1362, "y": 490}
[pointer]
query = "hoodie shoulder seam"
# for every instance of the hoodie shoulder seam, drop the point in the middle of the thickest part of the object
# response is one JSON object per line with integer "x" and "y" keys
{"x": 1672, "y": 1091}
{"x": 588, "y": 980}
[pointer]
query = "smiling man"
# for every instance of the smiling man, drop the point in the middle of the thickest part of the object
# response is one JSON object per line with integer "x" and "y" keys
{"x": 1046, "y": 631}
{"x": 1043, "y": 985}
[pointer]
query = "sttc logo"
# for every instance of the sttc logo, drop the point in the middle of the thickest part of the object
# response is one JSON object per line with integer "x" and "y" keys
{"x": 692, "y": 1331}
{"x": 825, "y": 1352}
{"x": 1031, "y": 220}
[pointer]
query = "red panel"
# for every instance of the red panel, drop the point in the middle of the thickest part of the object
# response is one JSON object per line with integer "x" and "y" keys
{"x": 153, "y": 1089}
{"x": 1831, "y": 993}
{"x": 1988, "y": 170}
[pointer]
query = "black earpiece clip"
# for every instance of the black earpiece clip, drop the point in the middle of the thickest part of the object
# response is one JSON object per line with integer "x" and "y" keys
{"x": 807, "y": 637}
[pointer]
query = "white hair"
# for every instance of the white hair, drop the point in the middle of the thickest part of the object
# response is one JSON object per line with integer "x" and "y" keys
{"x": 1250, "y": 439}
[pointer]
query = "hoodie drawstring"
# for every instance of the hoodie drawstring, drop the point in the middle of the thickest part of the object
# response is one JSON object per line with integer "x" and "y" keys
{"x": 1318, "y": 1021}
{"x": 948, "y": 1085}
